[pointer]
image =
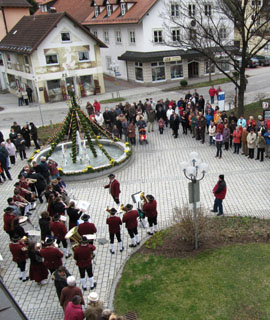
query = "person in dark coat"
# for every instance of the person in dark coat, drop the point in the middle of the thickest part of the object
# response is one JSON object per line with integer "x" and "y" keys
{"x": 219, "y": 191}
{"x": 26, "y": 136}
{"x": 1, "y": 137}
{"x": 40, "y": 183}
{"x": 175, "y": 122}
{"x": 74, "y": 215}
{"x": 20, "y": 144}
{"x": 60, "y": 279}
{"x": 38, "y": 271}
{"x": 29, "y": 94}
{"x": 16, "y": 127}
{"x": 130, "y": 219}
{"x": 34, "y": 135}
{"x": 5, "y": 169}
{"x": 43, "y": 169}
{"x": 114, "y": 188}
{"x": 13, "y": 136}
{"x": 44, "y": 224}
{"x": 114, "y": 224}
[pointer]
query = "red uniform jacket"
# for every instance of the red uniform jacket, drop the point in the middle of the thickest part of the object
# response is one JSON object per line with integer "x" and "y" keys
{"x": 52, "y": 257}
{"x": 130, "y": 219}
{"x": 114, "y": 187}
{"x": 83, "y": 255}
{"x": 220, "y": 190}
{"x": 18, "y": 254}
{"x": 86, "y": 228}
{"x": 8, "y": 218}
{"x": 58, "y": 229}
{"x": 114, "y": 224}
{"x": 150, "y": 209}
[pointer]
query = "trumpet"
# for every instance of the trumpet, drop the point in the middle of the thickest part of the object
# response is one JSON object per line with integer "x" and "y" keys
{"x": 122, "y": 209}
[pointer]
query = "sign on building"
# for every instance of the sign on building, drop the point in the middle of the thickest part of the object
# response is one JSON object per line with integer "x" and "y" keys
{"x": 172, "y": 59}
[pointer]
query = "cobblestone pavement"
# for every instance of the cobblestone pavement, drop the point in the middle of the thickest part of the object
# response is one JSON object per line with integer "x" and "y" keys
{"x": 155, "y": 169}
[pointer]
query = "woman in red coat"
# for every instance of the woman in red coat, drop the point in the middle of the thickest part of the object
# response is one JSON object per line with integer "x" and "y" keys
{"x": 38, "y": 271}
{"x": 237, "y": 134}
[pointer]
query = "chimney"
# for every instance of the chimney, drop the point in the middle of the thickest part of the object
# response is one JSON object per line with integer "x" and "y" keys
{"x": 52, "y": 10}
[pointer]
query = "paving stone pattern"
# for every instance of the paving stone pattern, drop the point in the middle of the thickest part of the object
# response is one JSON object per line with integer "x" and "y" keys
{"x": 155, "y": 169}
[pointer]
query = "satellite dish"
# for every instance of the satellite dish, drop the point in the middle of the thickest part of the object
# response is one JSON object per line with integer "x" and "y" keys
{"x": 193, "y": 23}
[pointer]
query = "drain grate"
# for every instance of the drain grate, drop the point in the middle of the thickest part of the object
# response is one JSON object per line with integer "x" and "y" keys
{"x": 131, "y": 315}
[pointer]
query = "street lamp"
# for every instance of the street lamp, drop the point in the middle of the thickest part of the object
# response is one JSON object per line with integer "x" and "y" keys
{"x": 194, "y": 170}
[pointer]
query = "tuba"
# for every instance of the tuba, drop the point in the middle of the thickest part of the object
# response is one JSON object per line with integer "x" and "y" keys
{"x": 74, "y": 235}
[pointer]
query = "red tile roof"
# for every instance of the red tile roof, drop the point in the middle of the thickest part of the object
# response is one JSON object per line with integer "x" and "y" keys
{"x": 15, "y": 4}
{"x": 133, "y": 15}
{"x": 30, "y": 31}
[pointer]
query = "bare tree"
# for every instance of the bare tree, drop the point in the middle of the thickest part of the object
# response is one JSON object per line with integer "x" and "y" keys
{"x": 221, "y": 31}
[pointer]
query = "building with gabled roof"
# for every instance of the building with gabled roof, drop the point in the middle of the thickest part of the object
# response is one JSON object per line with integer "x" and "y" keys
{"x": 52, "y": 52}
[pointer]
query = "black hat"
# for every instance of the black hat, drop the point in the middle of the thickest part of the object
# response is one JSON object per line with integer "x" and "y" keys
{"x": 48, "y": 242}
{"x": 111, "y": 175}
{"x": 251, "y": 129}
{"x": 85, "y": 217}
{"x": 129, "y": 206}
{"x": 150, "y": 197}
{"x": 15, "y": 238}
{"x": 113, "y": 211}
{"x": 221, "y": 176}
{"x": 56, "y": 217}
{"x": 84, "y": 240}
{"x": 9, "y": 209}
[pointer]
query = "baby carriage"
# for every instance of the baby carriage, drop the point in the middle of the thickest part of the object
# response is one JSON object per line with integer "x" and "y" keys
{"x": 142, "y": 136}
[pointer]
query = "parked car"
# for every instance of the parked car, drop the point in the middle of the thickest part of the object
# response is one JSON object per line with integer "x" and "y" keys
{"x": 263, "y": 60}
{"x": 253, "y": 63}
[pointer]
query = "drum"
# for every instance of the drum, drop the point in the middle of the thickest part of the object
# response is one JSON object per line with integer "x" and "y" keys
{"x": 22, "y": 220}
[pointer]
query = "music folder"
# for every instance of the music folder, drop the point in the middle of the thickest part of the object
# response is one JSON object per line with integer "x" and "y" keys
{"x": 136, "y": 197}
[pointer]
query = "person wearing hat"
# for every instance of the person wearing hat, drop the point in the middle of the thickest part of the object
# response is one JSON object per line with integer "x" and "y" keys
{"x": 59, "y": 231}
{"x": 8, "y": 217}
{"x": 17, "y": 249}
{"x": 69, "y": 292}
{"x": 130, "y": 219}
{"x": 40, "y": 184}
{"x": 219, "y": 192}
{"x": 114, "y": 188}
{"x": 150, "y": 211}
{"x": 94, "y": 307}
{"x": 251, "y": 142}
{"x": 20, "y": 145}
{"x": 86, "y": 227}
{"x": 52, "y": 256}
{"x": 114, "y": 224}
{"x": 83, "y": 256}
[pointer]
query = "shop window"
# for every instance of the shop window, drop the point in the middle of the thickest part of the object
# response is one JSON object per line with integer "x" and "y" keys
{"x": 158, "y": 36}
{"x": 11, "y": 81}
{"x": 176, "y": 70}
{"x": 83, "y": 55}
{"x": 139, "y": 71}
{"x": 86, "y": 85}
{"x": 51, "y": 59}
{"x": 224, "y": 65}
{"x": 54, "y": 90}
{"x": 209, "y": 67}
{"x": 158, "y": 71}
{"x": 65, "y": 36}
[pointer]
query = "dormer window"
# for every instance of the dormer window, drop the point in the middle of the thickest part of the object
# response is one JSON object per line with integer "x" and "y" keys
{"x": 96, "y": 11}
{"x": 109, "y": 10}
{"x": 123, "y": 8}
{"x": 44, "y": 8}
{"x": 65, "y": 36}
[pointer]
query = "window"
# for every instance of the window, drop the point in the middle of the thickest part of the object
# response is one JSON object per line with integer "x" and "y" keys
{"x": 65, "y": 36}
{"x": 209, "y": 67}
{"x": 192, "y": 34}
{"x": 26, "y": 60}
{"x": 1, "y": 60}
{"x": 256, "y": 3}
{"x": 51, "y": 59}
{"x": 139, "y": 71}
{"x": 123, "y": 9}
{"x": 175, "y": 35}
{"x": 266, "y": 47}
{"x": 109, "y": 10}
{"x": 208, "y": 10}
{"x": 83, "y": 55}
{"x": 106, "y": 36}
{"x": 118, "y": 37}
{"x": 96, "y": 9}
{"x": 174, "y": 10}
{"x": 224, "y": 65}
{"x": 95, "y": 33}
{"x": 176, "y": 70}
{"x": 132, "y": 38}
{"x": 191, "y": 10}
{"x": 158, "y": 71}
{"x": 222, "y": 33}
{"x": 158, "y": 36}
{"x": 44, "y": 8}
{"x": 8, "y": 57}
{"x": 108, "y": 62}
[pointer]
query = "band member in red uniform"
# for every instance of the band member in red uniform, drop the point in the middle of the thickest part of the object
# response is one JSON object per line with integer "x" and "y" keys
{"x": 19, "y": 254}
{"x": 114, "y": 188}
{"x": 59, "y": 231}
{"x": 83, "y": 256}
{"x": 130, "y": 219}
{"x": 86, "y": 227}
{"x": 52, "y": 256}
{"x": 8, "y": 217}
{"x": 150, "y": 211}
{"x": 114, "y": 224}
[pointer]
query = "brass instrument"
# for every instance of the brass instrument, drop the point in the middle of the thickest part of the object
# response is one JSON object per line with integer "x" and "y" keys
{"x": 143, "y": 198}
{"x": 74, "y": 235}
{"x": 29, "y": 180}
{"x": 122, "y": 209}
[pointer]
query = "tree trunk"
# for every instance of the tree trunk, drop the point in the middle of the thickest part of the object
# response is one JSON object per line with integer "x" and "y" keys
{"x": 241, "y": 92}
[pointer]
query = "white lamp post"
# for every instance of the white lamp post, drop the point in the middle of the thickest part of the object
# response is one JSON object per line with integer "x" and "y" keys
{"x": 194, "y": 170}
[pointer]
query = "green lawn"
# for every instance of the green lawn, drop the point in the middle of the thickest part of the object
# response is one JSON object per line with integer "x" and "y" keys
{"x": 223, "y": 284}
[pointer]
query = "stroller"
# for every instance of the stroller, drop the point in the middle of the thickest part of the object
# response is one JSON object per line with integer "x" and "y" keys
{"x": 142, "y": 136}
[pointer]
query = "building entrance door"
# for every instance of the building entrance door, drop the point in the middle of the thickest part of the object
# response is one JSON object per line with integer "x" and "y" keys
{"x": 193, "y": 69}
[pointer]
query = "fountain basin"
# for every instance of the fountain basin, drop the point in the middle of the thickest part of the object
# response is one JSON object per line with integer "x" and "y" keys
{"x": 81, "y": 170}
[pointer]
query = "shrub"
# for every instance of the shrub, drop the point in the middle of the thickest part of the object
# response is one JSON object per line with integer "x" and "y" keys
{"x": 183, "y": 83}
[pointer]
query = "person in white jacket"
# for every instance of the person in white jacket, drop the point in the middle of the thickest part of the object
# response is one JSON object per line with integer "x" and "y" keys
{"x": 11, "y": 149}
{"x": 99, "y": 118}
